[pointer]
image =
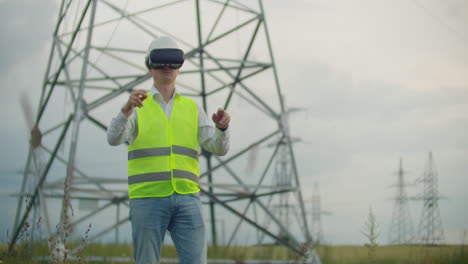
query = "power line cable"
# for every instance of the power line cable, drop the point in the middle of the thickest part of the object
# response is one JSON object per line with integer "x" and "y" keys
{"x": 110, "y": 38}
{"x": 441, "y": 22}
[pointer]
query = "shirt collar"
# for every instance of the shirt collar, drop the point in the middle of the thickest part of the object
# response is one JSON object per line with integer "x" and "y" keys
{"x": 156, "y": 94}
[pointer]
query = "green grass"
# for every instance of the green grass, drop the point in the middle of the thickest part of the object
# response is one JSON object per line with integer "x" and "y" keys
{"x": 405, "y": 254}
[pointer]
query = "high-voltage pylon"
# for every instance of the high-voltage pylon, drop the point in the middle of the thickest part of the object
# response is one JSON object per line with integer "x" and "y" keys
{"x": 283, "y": 208}
{"x": 401, "y": 228}
{"x": 96, "y": 60}
{"x": 430, "y": 225}
{"x": 316, "y": 214}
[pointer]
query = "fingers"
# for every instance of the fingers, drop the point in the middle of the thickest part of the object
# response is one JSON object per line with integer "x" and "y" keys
{"x": 135, "y": 99}
{"x": 224, "y": 122}
{"x": 221, "y": 118}
{"x": 215, "y": 118}
{"x": 139, "y": 96}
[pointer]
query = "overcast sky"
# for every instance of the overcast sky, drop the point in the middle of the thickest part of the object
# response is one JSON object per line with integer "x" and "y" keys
{"x": 380, "y": 81}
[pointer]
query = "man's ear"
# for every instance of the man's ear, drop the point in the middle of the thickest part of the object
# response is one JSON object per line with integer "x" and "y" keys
{"x": 147, "y": 63}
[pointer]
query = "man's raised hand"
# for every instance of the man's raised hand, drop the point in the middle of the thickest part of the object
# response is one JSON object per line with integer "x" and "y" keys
{"x": 135, "y": 99}
{"x": 221, "y": 119}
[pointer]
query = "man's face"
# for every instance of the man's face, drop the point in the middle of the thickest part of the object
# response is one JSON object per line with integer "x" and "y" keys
{"x": 165, "y": 75}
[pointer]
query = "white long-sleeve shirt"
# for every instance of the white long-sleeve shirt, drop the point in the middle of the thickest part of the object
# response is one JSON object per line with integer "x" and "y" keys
{"x": 125, "y": 129}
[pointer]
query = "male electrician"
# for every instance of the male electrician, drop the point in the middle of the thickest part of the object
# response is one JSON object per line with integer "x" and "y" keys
{"x": 164, "y": 131}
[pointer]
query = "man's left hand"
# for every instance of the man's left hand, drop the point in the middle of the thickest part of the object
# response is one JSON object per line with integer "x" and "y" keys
{"x": 221, "y": 119}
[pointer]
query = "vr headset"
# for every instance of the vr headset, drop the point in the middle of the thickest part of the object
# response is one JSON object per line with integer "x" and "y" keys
{"x": 160, "y": 58}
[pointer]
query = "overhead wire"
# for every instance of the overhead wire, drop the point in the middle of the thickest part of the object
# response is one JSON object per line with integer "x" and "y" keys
{"x": 110, "y": 38}
{"x": 441, "y": 22}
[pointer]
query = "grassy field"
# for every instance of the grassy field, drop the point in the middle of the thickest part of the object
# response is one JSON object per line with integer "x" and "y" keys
{"x": 407, "y": 254}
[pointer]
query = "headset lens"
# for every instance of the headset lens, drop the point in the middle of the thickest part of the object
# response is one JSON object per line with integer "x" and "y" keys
{"x": 158, "y": 66}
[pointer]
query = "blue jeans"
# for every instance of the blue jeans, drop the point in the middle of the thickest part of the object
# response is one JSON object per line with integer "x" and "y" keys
{"x": 181, "y": 215}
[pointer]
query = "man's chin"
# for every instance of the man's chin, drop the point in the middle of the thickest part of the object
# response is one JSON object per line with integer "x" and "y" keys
{"x": 167, "y": 80}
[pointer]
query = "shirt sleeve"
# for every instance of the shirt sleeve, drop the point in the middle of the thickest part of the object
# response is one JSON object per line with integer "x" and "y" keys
{"x": 122, "y": 129}
{"x": 211, "y": 138}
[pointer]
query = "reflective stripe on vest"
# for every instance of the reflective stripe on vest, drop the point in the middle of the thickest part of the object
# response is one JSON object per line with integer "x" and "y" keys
{"x": 165, "y": 151}
{"x": 164, "y": 156}
{"x": 161, "y": 176}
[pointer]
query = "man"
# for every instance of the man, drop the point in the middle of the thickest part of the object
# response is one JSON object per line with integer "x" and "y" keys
{"x": 164, "y": 131}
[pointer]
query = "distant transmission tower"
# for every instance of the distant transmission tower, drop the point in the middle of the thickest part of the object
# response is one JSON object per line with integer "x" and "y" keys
{"x": 401, "y": 229}
{"x": 317, "y": 212}
{"x": 283, "y": 180}
{"x": 430, "y": 227}
{"x": 285, "y": 208}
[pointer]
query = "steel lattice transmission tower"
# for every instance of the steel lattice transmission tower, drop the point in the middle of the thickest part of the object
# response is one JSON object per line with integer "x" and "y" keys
{"x": 401, "y": 229}
{"x": 96, "y": 59}
{"x": 430, "y": 225}
{"x": 317, "y": 212}
{"x": 283, "y": 208}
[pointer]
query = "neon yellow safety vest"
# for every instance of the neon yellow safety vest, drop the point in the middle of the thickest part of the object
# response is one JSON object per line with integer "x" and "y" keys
{"x": 164, "y": 156}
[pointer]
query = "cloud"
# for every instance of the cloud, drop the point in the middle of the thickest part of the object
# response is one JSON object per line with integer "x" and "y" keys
{"x": 26, "y": 29}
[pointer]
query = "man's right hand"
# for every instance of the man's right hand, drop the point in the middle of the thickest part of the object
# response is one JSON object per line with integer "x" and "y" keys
{"x": 135, "y": 99}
